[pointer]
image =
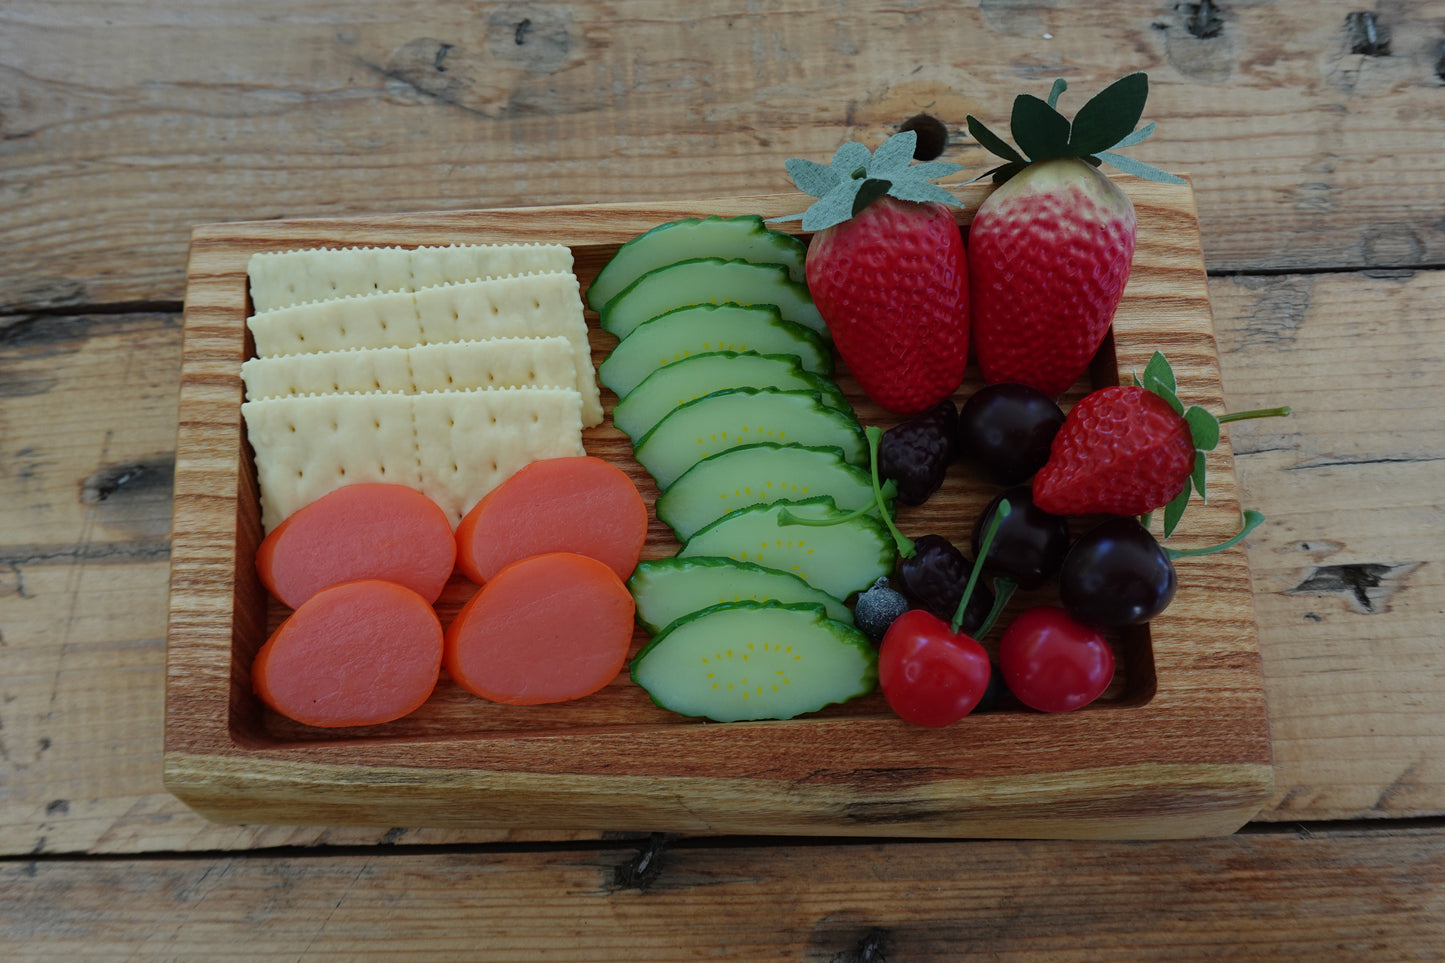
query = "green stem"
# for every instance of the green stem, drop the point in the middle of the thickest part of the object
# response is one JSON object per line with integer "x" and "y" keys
{"x": 1252, "y": 520}
{"x": 905, "y": 544}
{"x": 1281, "y": 412}
{"x": 998, "y": 516}
{"x": 1003, "y": 589}
{"x": 786, "y": 517}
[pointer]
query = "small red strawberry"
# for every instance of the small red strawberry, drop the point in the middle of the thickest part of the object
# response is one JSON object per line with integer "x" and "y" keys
{"x": 1131, "y": 449}
{"x": 1121, "y": 451}
{"x": 1049, "y": 250}
{"x": 888, "y": 271}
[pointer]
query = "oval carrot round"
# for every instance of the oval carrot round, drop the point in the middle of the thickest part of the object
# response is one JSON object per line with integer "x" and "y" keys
{"x": 355, "y": 654}
{"x": 548, "y": 628}
{"x": 575, "y": 504}
{"x": 363, "y": 531}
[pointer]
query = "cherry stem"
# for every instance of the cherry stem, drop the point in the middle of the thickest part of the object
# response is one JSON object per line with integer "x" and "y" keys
{"x": 1252, "y": 520}
{"x": 998, "y": 516}
{"x": 1281, "y": 412}
{"x": 786, "y": 517}
{"x": 1003, "y": 590}
{"x": 905, "y": 544}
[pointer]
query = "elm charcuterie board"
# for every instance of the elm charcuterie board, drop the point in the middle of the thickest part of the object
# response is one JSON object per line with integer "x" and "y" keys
{"x": 1178, "y": 746}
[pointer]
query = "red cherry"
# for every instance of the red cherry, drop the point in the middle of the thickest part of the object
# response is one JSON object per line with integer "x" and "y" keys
{"x": 1052, "y": 662}
{"x": 929, "y": 674}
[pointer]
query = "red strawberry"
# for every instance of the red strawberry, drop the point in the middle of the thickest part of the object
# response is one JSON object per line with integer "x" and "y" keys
{"x": 1049, "y": 251}
{"x": 888, "y": 272}
{"x": 1122, "y": 451}
{"x": 1131, "y": 449}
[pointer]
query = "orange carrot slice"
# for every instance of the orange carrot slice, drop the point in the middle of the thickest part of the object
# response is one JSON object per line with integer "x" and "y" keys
{"x": 355, "y": 654}
{"x": 575, "y": 504}
{"x": 548, "y": 628}
{"x": 361, "y": 531}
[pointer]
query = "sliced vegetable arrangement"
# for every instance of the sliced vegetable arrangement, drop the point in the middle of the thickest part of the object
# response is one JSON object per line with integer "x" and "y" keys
{"x": 721, "y": 376}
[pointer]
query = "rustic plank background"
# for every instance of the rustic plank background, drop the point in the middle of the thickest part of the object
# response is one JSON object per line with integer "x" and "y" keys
{"x": 1313, "y": 132}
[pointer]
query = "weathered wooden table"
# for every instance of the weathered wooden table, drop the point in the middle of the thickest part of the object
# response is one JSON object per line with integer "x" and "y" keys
{"x": 1313, "y": 132}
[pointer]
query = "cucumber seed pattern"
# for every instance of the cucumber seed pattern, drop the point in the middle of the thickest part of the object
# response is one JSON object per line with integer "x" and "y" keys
{"x": 748, "y": 677}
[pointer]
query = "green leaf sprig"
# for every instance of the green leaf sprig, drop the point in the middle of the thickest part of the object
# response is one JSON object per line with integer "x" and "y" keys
{"x": 1102, "y": 126}
{"x": 857, "y": 177}
{"x": 1158, "y": 377}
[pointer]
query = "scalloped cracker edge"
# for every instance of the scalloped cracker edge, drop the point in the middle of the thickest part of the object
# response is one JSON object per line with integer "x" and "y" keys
{"x": 283, "y": 278}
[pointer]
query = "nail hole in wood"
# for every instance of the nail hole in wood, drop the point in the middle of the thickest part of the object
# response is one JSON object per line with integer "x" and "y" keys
{"x": 932, "y": 136}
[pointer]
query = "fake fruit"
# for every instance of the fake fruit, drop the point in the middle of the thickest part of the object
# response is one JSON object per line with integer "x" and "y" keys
{"x": 754, "y": 475}
{"x": 933, "y": 673}
{"x": 888, "y": 271}
{"x": 743, "y": 238}
{"x": 878, "y": 608}
{"x": 1129, "y": 449}
{"x": 744, "y": 416}
{"x": 704, "y": 328}
{"x": 356, "y": 654}
{"x": 915, "y": 454}
{"x": 1052, "y": 663}
{"x": 1116, "y": 574}
{"x": 934, "y": 576}
{"x": 1030, "y": 545}
{"x": 708, "y": 280}
{"x": 1050, "y": 250}
{"x": 577, "y": 503}
{"x": 930, "y": 674}
{"x": 1006, "y": 429}
{"x": 547, "y": 628}
{"x": 666, "y": 589}
{"x": 837, "y": 552}
{"x": 755, "y": 660}
{"x": 1122, "y": 451}
{"x": 702, "y": 374}
{"x": 364, "y": 531}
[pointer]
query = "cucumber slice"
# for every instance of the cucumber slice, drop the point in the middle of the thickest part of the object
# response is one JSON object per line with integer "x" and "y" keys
{"x": 756, "y": 474}
{"x": 838, "y": 559}
{"x": 709, "y": 280}
{"x": 701, "y": 328}
{"x": 744, "y": 416}
{"x": 702, "y": 374}
{"x": 745, "y": 238}
{"x": 666, "y": 589}
{"x": 756, "y": 660}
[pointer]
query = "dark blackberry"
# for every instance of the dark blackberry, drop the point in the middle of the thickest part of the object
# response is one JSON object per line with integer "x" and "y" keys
{"x": 876, "y": 609}
{"x": 916, "y": 453}
{"x": 935, "y": 576}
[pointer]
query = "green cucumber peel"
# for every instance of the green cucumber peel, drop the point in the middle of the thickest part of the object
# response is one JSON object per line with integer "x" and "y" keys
{"x": 999, "y": 515}
{"x": 883, "y": 495}
{"x": 1108, "y": 121}
{"x": 857, "y": 177}
{"x": 1158, "y": 377}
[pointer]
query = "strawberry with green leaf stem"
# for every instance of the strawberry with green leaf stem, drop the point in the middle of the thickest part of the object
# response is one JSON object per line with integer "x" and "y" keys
{"x": 887, "y": 270}
{"x": 1132, "y": 449}
{"x": 1050, "y": 249}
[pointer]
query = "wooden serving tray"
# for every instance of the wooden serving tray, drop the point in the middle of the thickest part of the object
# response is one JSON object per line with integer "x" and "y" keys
{"x": 1177, "y": 747}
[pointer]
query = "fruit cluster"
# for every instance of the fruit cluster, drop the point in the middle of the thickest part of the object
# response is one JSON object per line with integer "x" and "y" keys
{"x": 1033, "y": 292}
{"x": 929, "y": 617}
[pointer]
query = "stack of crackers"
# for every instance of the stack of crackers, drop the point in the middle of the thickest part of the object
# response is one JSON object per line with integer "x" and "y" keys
{"x": 445, "y": 369}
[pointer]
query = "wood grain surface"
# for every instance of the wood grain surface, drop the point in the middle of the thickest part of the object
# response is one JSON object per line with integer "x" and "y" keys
{"x": 1312, "y": 131}
{"x": 164, "y": 116}
{"x": 1333, "y": 895}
